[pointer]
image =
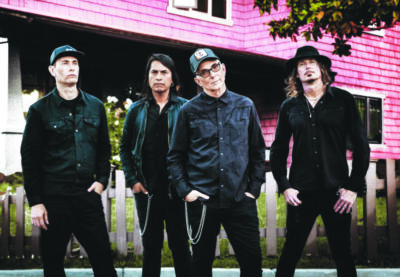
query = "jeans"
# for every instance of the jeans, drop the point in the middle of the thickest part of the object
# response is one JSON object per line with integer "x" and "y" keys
{"x": 299, "y": 222}
{"x": 82, "y": 216}
{"x": 242, "y": 228}
{"x": 172, "y": 212}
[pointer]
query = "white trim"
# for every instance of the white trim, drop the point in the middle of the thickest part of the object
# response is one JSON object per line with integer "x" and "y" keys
{"x": 204, "y": 16}
{"x": 372, "y": 94}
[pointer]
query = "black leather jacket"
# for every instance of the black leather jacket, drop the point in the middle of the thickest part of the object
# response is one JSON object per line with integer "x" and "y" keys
{"x": 133, "y": 136}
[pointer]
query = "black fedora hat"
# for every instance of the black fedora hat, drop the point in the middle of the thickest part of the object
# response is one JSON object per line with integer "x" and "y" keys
{"x": 306, "y": 52}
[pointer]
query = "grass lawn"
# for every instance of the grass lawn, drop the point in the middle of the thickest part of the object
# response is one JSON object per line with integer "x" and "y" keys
{"x": 322, "y": 260}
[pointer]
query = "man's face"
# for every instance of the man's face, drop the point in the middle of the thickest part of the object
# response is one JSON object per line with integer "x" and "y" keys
{"x": 308, "y": 70}
{"x": 160, "y": 78}
{"x": 216, "y": 80}
{"x": 65, "y": 70}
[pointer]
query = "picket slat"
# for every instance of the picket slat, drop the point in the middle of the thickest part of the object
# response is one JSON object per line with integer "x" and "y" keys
{"x": 391, "y": 205}
{"x": 5, "y": 225}
{"x": 370, "y": 212}
{"x": 120, "y": 208}
{"x": 20, "y": 222}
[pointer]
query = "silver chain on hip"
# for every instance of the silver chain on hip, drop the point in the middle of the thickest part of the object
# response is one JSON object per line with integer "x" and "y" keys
{"x": 197, "y": 237}
{"x": 147, "y": 214}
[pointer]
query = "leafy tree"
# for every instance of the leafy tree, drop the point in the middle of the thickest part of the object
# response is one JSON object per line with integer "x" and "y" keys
{"x": 341, "y": 19}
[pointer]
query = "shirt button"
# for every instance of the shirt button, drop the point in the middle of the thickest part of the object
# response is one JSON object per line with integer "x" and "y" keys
{"x": 221, "y": 154}
{"x": 76, "y": 131}
{"x": 220, "y": 123}
{"x": 222, "y": 169}
{"x": 70, "y": 114}
{"x": 316, "y": 152}
{"x": 79, "y": 165}
{"x": 221, "y": 138}
{"x": 313, "y": 124}
{"x": 55, "y": 126}
{"x": 314, "y": 138}
{"x": 317, "y": 165}
{"x": 222, "y": 186}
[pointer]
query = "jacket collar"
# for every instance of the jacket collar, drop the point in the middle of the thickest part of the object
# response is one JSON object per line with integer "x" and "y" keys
{"x": 59, "y": 100}
{"x": 225, "y": 97}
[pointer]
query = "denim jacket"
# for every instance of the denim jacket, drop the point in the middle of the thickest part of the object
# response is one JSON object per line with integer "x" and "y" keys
{"x": 62, "y": 153}
{"x": 133, "y": 135}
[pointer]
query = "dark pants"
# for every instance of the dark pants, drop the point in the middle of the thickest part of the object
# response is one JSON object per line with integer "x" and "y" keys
{"x": 299, "y": 223}
{"x": 172, "y": 212}
{"x": 242, "y": 228}
{"x": 82, "y": 216}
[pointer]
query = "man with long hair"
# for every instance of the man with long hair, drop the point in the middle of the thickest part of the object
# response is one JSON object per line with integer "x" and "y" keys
{"x": 320, "y": 118}
{"x": 144, "y": 146}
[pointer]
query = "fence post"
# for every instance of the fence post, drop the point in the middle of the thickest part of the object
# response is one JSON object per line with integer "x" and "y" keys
{"x": 5, "y": 226}
{"x": 35, "y": 241}
{"x": 20, "y": 222}
{"x": 370, "y": 212}
{"x": 137, "y": 239}
{"x": 391, "y": 205}
{"x": 271, "y": 189}
{"x": 121, "y": 212}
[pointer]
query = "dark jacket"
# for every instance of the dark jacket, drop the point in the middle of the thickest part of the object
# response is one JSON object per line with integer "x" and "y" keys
{"x": 64, "y": 154}
{"x": 218, "y": 149}
{"x": 133, "y": 136}
{"x": 319, "y": 144}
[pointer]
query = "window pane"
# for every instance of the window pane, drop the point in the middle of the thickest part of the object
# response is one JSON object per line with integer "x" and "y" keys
{"x": 219, "y": 8}
{"x": 375, "y": 124}
{"x": 361, "y": 107}
{"x": 202, "y": 6}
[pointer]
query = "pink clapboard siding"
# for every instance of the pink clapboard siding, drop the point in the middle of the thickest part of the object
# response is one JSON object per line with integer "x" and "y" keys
{"x": 374, "y": 65}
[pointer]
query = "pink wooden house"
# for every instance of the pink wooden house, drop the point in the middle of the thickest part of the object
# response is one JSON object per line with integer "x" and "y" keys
{"x": 119, "y": 35}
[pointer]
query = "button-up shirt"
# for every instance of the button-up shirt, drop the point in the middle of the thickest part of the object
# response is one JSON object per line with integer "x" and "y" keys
{"x": 63, "y": 150}
{"x": 155, "y": 148}
{"x": 218, "y": 149}
{"x": 320, "y": 136}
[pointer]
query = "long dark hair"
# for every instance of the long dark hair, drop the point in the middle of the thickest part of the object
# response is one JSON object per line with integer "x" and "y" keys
{"x": 294, "y": 86}
{"x": 166, "y": 61}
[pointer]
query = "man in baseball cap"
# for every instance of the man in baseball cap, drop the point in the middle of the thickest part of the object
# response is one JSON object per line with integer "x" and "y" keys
{"x": 65, "y": 154}
{"x": 64, "y": 51}
{"x": 216, "y": 164}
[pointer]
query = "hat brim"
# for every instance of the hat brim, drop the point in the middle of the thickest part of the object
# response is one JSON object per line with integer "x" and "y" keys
{"x": 77, "y": 54}
{"x": 292, "y": 63}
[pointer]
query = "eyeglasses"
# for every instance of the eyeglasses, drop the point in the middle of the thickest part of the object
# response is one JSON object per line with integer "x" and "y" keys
{"x": 206, "y": 72}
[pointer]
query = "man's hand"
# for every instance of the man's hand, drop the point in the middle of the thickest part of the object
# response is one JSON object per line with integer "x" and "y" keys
{"x": 97, "y": 187}
{"x": 291, "y": 197}
{"x": 346, "y": 200}
{"x": 39, "y": 216}
{"x": 138, "y": 187}
{"x": 194, "y": 194}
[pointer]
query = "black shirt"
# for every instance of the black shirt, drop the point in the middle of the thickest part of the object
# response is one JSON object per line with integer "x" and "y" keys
{"x": 63, "y": 153}
{"x": 218, "y": 149}
{"x": 155, "y": 148}
{"x": 319, "y": 143}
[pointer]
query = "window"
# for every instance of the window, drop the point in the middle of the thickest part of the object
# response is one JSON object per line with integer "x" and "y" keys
{"x": 217, "y": 11}
{"x": 371, "y": 115}
{"x": 370, "y": 105}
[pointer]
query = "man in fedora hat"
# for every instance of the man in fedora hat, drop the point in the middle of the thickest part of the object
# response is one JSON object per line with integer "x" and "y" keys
{"x": 320, "y": 118}
{"x": 216, "y": 163}
{"x": 65, "y": 160}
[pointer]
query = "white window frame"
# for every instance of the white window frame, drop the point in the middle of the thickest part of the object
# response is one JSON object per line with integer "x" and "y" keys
{"x": 372, "y": 94}
{"x": 203, "y": 16}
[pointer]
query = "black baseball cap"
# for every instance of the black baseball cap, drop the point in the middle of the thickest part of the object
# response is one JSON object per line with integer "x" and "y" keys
{"x": 199, "y": 56}
{"x": 63, "y": 51}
